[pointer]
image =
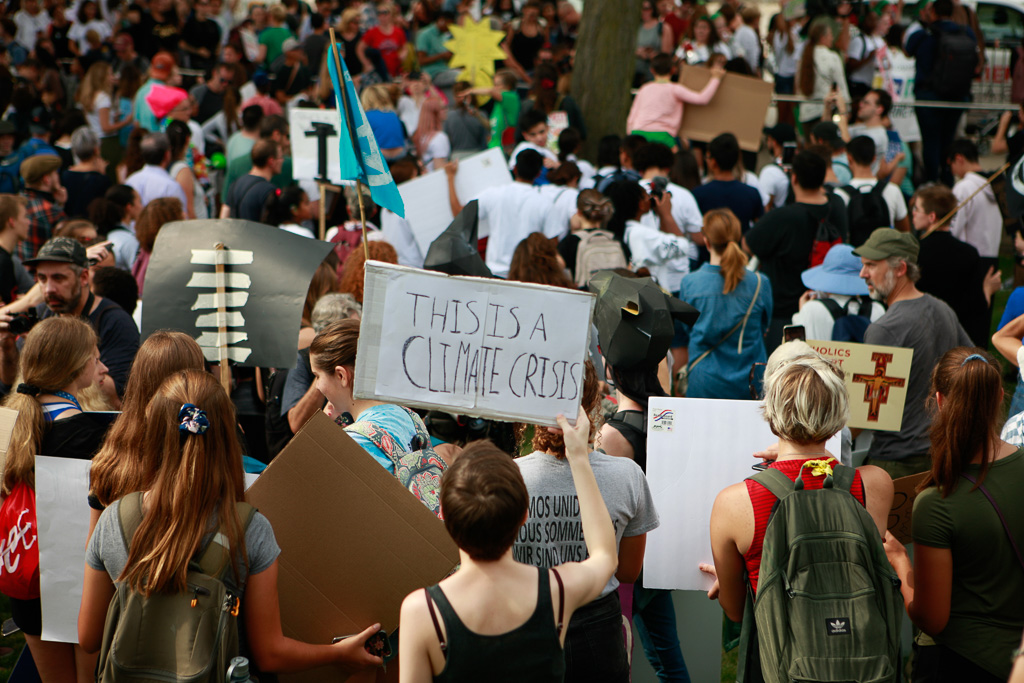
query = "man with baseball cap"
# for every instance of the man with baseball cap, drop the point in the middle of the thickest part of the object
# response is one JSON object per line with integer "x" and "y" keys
{"x": 915, "y": 321}
{"x": 161, "y": 71}
{"x": 62, "y": 272}
{"x": 46, "y": 197}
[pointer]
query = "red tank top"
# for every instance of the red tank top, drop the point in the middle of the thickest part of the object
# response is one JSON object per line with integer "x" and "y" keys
{"x": 763, "y": 500}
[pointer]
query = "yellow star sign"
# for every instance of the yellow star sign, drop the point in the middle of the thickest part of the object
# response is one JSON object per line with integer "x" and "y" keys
{"x": 475, "y": 45}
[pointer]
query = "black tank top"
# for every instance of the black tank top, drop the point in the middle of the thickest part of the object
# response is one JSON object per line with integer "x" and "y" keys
{"x": 528, "y": 653}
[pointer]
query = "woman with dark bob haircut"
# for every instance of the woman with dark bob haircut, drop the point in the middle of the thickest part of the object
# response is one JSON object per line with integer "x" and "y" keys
{"x": 496, "y": 619}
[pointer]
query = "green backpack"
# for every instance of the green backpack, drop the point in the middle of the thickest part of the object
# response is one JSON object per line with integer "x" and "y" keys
{"x": 828, "y": 605}
{"x": 173, "y": 637}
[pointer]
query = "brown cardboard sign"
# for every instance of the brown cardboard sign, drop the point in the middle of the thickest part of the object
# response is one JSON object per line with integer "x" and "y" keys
{"x": 904, "y": 493}
{"x": 354, "y": 542}
{"x": 738, "y": 107}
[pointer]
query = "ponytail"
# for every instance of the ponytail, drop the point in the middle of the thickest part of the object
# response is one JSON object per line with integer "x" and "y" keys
{"x": 723, "y": 233}
{"x": 967, "y": 424}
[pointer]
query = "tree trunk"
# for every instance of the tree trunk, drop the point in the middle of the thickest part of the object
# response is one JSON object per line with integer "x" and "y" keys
{"x": 604, "y": 66}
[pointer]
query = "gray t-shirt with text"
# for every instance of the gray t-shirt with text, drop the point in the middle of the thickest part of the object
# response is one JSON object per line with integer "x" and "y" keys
{"x": 553, "y": 533}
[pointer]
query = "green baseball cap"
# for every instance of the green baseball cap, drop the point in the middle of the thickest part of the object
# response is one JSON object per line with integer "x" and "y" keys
{"x": 886, "y": 242}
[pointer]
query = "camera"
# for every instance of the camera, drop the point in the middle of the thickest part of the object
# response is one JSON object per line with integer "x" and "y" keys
{"x": 658, "y": 186}
{"x": 21, "y": 323}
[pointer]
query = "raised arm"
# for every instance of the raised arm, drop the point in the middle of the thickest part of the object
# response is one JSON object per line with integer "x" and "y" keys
{"x": 705, "y": 95}
{"x": 1008, "y": 339}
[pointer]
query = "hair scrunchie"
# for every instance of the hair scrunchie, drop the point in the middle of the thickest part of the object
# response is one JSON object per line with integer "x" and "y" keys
{"x": 28, "y": 389}
{"x": 974, "y": 356}
{"x": 192, "y": 420}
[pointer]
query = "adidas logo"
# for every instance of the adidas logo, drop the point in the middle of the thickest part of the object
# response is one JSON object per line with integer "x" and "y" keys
{"x": 838, "y": 626}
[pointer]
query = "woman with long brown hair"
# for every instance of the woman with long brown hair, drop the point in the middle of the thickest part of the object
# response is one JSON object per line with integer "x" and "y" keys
{"x": 58, "y": 364}
{"x": 965, "y": 587}
{"x": 735, "y": 310}
{"x": 536, "y": 259}
{"x": 190, "y": 432}
{"x": 122, "y": 465}
{"x": 94, "y": 96}
{"x": 820, "y": 73}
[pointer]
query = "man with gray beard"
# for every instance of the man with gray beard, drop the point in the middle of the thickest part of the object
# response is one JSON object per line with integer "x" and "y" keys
{"x": 917, "y": 321}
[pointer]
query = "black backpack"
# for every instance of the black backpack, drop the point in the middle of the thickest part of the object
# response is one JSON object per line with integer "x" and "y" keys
{"x": 956, "y": 58}
{"x": 849, "y": 327}
{"x": 867, "y": 211}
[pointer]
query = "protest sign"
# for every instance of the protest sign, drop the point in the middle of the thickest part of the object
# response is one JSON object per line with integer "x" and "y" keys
{"x": 62, "y": 516}
{"x": 429, "y": 194}
{"x": 695, "y": 448}
{"x": 302, "y": 133}
{"x": 266, "y": 276}
{"x": 903, "y": 496}
{"x": 354, "y": 541}
{"x": 739, "y": 107}
{"x": 876, "y": 378}
{"x": 490, "y": 348}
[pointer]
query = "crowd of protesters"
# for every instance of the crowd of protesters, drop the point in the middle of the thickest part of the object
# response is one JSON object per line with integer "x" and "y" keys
{"x": 119, "y": 118}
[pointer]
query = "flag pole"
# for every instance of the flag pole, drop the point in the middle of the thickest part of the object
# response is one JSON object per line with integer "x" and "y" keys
{"x": 352, "y": 135}
{"x": 965, "y": 202}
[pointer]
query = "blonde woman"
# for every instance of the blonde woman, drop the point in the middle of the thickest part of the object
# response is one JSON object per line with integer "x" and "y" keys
{"x": 58, "y": 363}
{"x": 94, "y": 96}
{"x": 387, "y": 127}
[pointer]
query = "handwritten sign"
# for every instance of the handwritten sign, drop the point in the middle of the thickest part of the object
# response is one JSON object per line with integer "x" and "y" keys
{"x": 491, "y": 348}
{"x": 695, "y": 448}
{"x": 876, "y": 377}
{"x": 903, "y": 496}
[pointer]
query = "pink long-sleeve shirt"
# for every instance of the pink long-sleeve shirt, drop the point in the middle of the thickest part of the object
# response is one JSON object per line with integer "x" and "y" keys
{"x": 658, "y": 107}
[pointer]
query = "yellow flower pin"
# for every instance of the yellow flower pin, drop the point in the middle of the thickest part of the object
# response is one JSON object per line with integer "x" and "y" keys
{"x": 820, "y": 467}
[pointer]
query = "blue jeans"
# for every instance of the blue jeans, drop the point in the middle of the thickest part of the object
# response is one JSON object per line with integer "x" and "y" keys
{"x": 654, "y": 616}
{"x": 595, "y": 644}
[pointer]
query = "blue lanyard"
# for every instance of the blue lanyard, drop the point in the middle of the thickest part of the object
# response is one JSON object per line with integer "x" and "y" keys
{"x": 69, "y": 397}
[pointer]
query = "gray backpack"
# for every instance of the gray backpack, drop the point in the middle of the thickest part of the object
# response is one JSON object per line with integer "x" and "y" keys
{"x": 597, "y": 250}
{"x": 828, "y": 605}
{"x": 137, "y": 647}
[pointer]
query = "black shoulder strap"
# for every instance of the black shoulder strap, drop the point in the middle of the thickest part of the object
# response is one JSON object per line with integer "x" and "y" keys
{"x": 866, "y": 303}
{"x": 834, "y": 309}
{"x": 433, "y": 617}
{"x": 879, "y": 187}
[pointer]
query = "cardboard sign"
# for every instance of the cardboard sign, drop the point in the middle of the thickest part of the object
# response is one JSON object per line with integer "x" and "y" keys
{"x": 266, "y": 276}
{"x": 7, "y": 419}
{"x": 62, "y": 516}
{"x": 427, "y": 196}
{"x": 490, "y": 348}
{"x": 904, "y": 494}
{"x": 695, "y": 448}
{"x": 877, "y": 379}
{"x": 354, "y": 542}
{"x": 738, "y": 107}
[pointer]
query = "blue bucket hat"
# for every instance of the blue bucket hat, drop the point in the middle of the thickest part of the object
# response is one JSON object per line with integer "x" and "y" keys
{"x": 839, "y": 273}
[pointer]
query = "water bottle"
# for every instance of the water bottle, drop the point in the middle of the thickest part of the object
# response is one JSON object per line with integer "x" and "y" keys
{"x": 238, "y": 671}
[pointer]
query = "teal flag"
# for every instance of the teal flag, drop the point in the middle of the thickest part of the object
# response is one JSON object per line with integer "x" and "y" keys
{"x": 368, "y": 165}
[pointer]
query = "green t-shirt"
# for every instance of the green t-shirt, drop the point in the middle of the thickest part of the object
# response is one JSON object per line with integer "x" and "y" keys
{"x": 274, "y": 38}
{"x": 505, "y": 114}
{"x": 432, "y": 41}
{"x": 987, "y": 603}
{"x": 242, "y": 165}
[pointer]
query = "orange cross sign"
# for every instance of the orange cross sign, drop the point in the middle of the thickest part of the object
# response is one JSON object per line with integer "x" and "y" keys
{"x": 876, "y": 386}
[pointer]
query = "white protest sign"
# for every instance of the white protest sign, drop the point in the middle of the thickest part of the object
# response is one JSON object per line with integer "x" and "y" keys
{"x": 695, "y": 448}
{"x": 62, "y": 515}
{"x": 305, "y": 155}
{"x": 474, "y": 346}
{"x": 427, "y": 196}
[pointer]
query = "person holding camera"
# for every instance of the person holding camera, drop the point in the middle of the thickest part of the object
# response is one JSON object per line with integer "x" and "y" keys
{"x": 62, "y": 272}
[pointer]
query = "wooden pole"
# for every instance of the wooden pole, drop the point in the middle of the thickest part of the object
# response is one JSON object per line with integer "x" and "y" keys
{"x": 352, "y": 134}
{"x": 323, "y": 211}
{"x": 964, "y": 203}
{"x": 222, "y": 320}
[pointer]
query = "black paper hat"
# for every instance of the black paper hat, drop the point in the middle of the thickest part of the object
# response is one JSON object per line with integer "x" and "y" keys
{"x": 454, "y": 251}
{"x": 634, "y": 319}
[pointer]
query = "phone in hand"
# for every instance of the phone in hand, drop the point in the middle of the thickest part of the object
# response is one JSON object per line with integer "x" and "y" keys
{"x": 793, "y": 332}
{"x": 378, "y": 645}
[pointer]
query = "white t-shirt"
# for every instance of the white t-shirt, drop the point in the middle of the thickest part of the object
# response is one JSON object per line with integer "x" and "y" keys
{"x": 512, "y": 211}
{"x": 77, "y": 32}
{"x": 786, "y": 63}
{"x": 891, "y": 194}
{"x": 818, "y": 322}
{"x": 876, "y": 133}
{"x": 398, "y": 232}
{"x": 296, "y": 229}
{"x": 746, "y": 42}
{"x": 750, "y": 178}
{"x": 775, "y": 183}
{"x": 560, "y": 211}
{"x": 29, "y": 26}
{"x": 980, "y": 222}
{"x": 684, "y": 209}
{"x": 440, "y": 148}
{"x": 666, "y": 256}
{"x": 543, "y": 151}
{"x": 102, "y": 101}
{"x": 860, "y": 46}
